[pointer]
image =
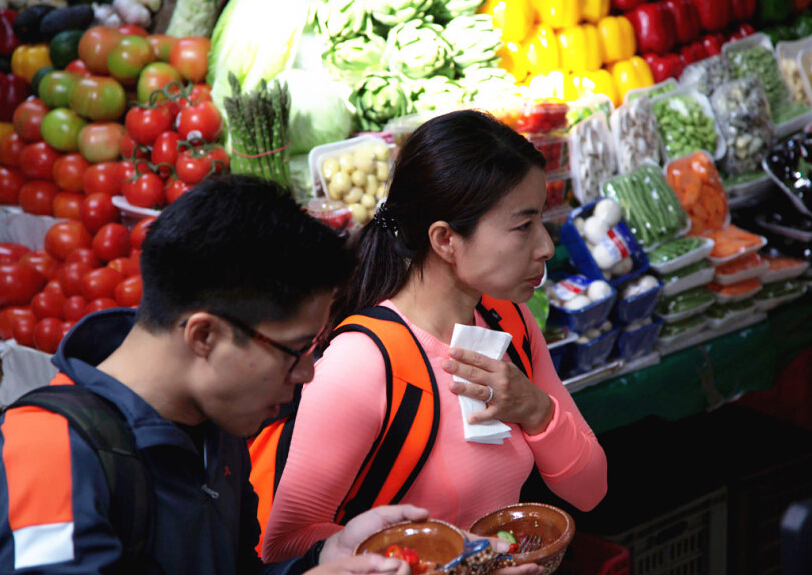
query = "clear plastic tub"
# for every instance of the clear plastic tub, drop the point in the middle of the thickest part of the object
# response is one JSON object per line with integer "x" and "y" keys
{"x": 652, "y": 91}
{"x": 593, "y": 158}
{"x": 704, "y": 75}
{"x": 787, "y": 52}
{"x": 674, "y": 113}
{"x": 638, "y": 341}
{"x": 664, "y": 265}
{"x": 636, "y": 135}
{"x": 556, "y": 152}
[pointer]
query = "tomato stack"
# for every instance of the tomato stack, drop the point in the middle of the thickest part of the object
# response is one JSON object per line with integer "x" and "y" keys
{"x": 132, "y": 117}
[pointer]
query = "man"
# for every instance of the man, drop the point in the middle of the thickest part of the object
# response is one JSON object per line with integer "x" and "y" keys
{"x": 237, "y": 281}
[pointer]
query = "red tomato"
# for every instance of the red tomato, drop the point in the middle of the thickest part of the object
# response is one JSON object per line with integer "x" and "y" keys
{"x": 102, "y": 177}
{"x": 139, "y": 231}
{"x": 100, "y": 282}
{"x": 95, "y": 46}
{"x": 395, "y": 551}
{"x": 64, "y": 237}
{"x": 128, "y": 57}
{"x": 7, "y": 315}
{"x": 111, "y": 241}
{"x": 53, "y": 286}
{"x": 27, "y": 119}
{"x": 133, "y": 30}
{"x": 22, "y": 329}
{"x": 84, "y": 255}
{"x": 127, "y": 265}
{"x": 174, "y": 189}
{"x": 48, "y": 334}
{"x": 98, "y": 210}
{"x": 131, "y": 150}
{"x": 218, "y": 158}
{"x": 19, "y": 283}
{"x": 11, "y": 144}
{"x": 145, "y": 191}
{"x": 37, "y": 161}
{"x": 128, "y": 293}
{"x": 190, "y": 57}
{"x": 200, "y": 92}
{"x": 155, "y": 76}
{"x": 162, "y": 45}
{"x": 74, "y": 307}
{"x": 100, "y": 141}
{"x": 11, "y": 180}
{"x": 100, "y": 303}
{"x": 37, "y": 197}
{"x": 68, "y": 205}
{"x": 165, "y": 151}
{"x": 144, "y": 124}
{"x": 127, "y": 170}
{"x": 201, "y": 120}
{"x": 41, "y": 261}
{"x": 68, "y": 171}
{"x": 11, "y": 252}
{"x": 195, "y": 164}
{"x": 66, "y": 326}
{"x": 78, "y": 67}
{"x": 48, "y": 304}
{"x": 410, "y": 556}
{"x": 70, "y": 277}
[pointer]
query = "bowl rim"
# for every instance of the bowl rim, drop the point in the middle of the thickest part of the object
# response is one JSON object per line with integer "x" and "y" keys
{"x": 430, "y": 520}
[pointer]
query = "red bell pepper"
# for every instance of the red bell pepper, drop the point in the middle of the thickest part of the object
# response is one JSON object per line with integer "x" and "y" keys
{"x": 686, "y": 19}
{"x": 654, "y": 27}
{"x": 713, "y": 15}
{"x": 712, "y": 42}
{"x": 800, "y": 5}
{"x": 13, "y": 91}
{"x": 8, "y": 39}
{"x": 740, "y": 31}
{"x": 625, "y": 5}
{"x": 664, "y": 66}
{"x": 742, "y": 10}
{"x": 692, "y": 52}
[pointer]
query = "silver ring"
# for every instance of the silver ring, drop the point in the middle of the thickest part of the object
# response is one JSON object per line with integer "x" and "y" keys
{"x": 490, "y": 396}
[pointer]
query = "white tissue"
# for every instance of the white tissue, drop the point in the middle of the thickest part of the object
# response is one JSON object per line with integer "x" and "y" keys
{"x": 493, "y": 344}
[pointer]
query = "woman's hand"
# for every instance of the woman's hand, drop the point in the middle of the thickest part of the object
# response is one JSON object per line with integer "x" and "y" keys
{"x": 515, "y": 399}
{"x": 369, "y": 564}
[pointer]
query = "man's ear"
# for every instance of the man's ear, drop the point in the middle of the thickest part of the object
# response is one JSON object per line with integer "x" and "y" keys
{"x": 443, "y": 240}
{"x": 201, "y": 331}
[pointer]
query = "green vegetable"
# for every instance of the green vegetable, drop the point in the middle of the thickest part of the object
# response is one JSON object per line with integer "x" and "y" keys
{"x": 685, "y": 301}
{"x": 673, "y": 249}
{"x": 474, "y": 41}
{"x": 417, "y": 49}
{"x": 758, "y": 60}
{"x": 379, "y": 97}
{"x": 196, "y": 18}
{"x": 684, "y": 125}
{"x": 445, "y": 10}
{"x": 685, "y": 271}
{"x": 506, "y": 536}
{"x": 349, "y": 59}
{"x": 539, "y": 306}
{"x": 779, "y": 289}
{"x": 64, "y": 47}
{"x": 393, "y": 12}
{"x": 342, "y": 19}
{"x": 437, "y": 93}
{"x": 678, "y": 327}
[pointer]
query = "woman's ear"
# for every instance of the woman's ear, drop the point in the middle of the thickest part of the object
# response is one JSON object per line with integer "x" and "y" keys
{"x": 443, "y": 240}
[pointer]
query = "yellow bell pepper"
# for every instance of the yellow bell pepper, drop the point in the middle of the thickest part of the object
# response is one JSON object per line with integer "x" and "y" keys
{"x": 593, "y": 10}
{"x": 631, "y": 73}
{"x": 616, "y": 39}
{"x": 558, "y": 13}
{"x": 513, "y": 58}
{"x": 580, "y": 48}
{"x": 541, "y": 49}
{"x": 28, "y": 58}
{"x": 513, "y": 17}
{"x": 5, "y": 128}
{"x": 600, "y": 82}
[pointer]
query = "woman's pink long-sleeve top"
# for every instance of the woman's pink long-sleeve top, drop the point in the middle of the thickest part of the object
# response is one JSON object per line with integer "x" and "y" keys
{"x": 342, "y": 411}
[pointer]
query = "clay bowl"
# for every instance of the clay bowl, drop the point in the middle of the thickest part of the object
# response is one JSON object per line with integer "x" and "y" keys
{"x": 434, "y": 541}
{"x": 554, "y": 525}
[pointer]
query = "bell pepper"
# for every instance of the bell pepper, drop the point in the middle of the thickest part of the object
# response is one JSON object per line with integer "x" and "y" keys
{"x": 580, "y": 48}
{"x": 744, "y": 29}
{"x": 625, "y": 5}
{"x": 616, "y": 38}
{"x": 742, "y": 10}
{"x": 558, "y": 13}
{"x": 513, "y": 58}
{"x": 712, "y": 42}
{"x": 800, "y": 5}
{"x": 8, "y": 39}
{"x": 664, "y": 66}
{"x": 13, "y": 91}
{"x": 686, "y": 19}
{"x": 541, "y": 50}
{"x": 692, "y": 52}
{"x": 593, "y": 11}
{"x": 712, "y": 15}
{"x": 770, "y": 11}
{"x": 513, "y": 17}
{"x": 600, "y": 82}
{"x": 631, "y": 73}
{"x": 654, "y": 27}
{"x": 28, "y": 58}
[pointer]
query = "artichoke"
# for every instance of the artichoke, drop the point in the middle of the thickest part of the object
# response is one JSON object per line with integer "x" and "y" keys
{"x": 418, "y": 50}
{"x": 488, "y": 83}
{"x": 447, "y": 10}
{"x": 438, "y": 94}
{"x": 378, "y": 97}
{"x": 342, "y": 19}
{"x": 393, "y": 12}
{"x": 474, "y": 41}
{"x": 350, "y": 58}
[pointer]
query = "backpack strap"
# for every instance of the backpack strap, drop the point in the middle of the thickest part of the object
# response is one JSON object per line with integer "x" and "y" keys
{"x": 507, "y": 316}
{"x": 103, "y": 427}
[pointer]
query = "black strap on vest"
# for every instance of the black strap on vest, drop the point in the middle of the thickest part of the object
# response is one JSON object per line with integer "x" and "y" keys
{"x": 493, "y": 320}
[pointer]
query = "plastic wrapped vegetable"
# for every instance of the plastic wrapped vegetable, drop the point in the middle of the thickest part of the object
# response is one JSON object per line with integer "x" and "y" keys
{"x": 704, "y": 75}
{"x": 417, "y": 50}
{"x": 378, "y": 97}
{"x": 698, "y": 186}
{"x": 686, "y": 122}
{"x": 474, "y": 41}
{"x": 754, "y": 56}
{"x": 393, "y": 12}
{"x": 637, "y": 139}
{"x": 342, "y": 19}
{"x": 350, "y": 58}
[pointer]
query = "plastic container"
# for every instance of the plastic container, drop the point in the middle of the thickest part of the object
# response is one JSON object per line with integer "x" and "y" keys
{"x": 740, "y": 269}
{"x": 700, "y": 191}
{"x": 781, "y": 268}
{"x": 585, "y": 318}
{"x": 755, "y": 55}
{"x": 673, "y": 111}
{"x": 588, "y": 355}
{"x": 584, "y": 107}
{"x": 704, "y": 75}
{"x": 777, "y": 293}
{"x": 632, "y": 309}
{"x": 736, "y": 291}
{"x": 556, "y": 152}
{"x": 593, "y": 158}
{"x": 332, "y": 212}
{"x": 636, "y": 135}
{"x": 638, "y": 341}
{"x": 753, "y": 244}
{"x": 697, "y": 274}
{"x": 804, "y": 63}
{"x": 334, "y": 150}
{"x": 685, "y": 304}
{"x": 721, "y": 316}
{"x": 663, "y": 264}
{"x": 652, "y": 91}
{"x": 558, "y": 349}
{"x": 674, "y": 332}
{"x": 548, "y": 117}
{"x": 787, "y": 52}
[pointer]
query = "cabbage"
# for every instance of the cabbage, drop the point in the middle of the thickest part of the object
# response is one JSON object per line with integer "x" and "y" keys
{"x": 319, "y": 113}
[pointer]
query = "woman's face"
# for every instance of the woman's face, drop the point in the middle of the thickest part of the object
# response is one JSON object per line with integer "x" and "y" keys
{"x": 506, "y": 254}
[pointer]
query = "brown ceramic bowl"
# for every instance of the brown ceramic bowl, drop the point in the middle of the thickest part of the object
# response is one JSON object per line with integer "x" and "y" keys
{"x": 555, "y": 526}
{"x": 434, "y": 541}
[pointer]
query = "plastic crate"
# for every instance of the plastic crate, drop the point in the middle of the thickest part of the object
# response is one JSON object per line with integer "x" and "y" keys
{"x": 687, "y": 540}
{"x": 593, "y": 555}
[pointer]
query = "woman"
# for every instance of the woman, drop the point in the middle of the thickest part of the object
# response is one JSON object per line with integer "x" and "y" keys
{"x": 462, "y": 219}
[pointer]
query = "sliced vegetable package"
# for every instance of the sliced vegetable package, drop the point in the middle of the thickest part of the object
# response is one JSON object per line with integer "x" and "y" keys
{"x": 743, "y": 114}
{"x": 663, "y": 87}
{"x": 685, "y": 304}
{"x": 796, "y": 76}
{"x": 698, "y": 186}
{"x": 687, "y": 123}
{"x": 593, "y": 159}
{"x": 704, "y": 75}
{"x": 637, "y": 138}
{"x": 731, "y": 242}
{"x": 754, "y": 56}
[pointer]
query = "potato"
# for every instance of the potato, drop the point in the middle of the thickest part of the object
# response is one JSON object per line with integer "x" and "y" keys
{"x": 359, "y": 213}
{"x": 368, "y": 201}
{"x": 364, "y": 160}
{"x": 382, "y": 171}
{"x": 359, "y": 178}
{"x": 353, "y": 196}
{"x": 329, "y": 168}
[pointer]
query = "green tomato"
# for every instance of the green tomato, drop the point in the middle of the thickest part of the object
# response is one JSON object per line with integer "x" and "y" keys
{"x": 55, "y": 88}
{"x": 155, "y": 76}
{"x": 98, "y": 98}
{"x": 60, "y": 129}
{"x": 128, "y": 58}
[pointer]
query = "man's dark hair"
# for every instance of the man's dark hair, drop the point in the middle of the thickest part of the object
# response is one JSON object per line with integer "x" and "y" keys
{"x": 238, "y": 246}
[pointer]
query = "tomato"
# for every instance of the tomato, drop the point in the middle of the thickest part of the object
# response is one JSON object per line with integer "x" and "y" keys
{"x": 145, "y": 124}
{"x": 145, "y": 191}
{"x": 68, "y": 205}
{"x": 95, "y": 46}
{"x": 174, "y": 189}
{"x": 37, "y": 197}
{"x": 139, "y": 231}
{"x": 22, "y": 329}
{"x": 201, "y": 120}
{"x": 100, "y": 141}
{"x": 70, "y": 277}
{"x": 111, "y": 241}
{"x": 78, "y": 67}
{"x": 218, "y": 157}
{"x": 162, "y": 45}
{"x": 74, "y": 307}
{"x": 55, "y": 87}
{"x": 102, "y": 177}
{"x": 127, "y": 170}
{"x": 132, "y": 150}
{"x": 124, "y": 264}
{"x": 64, "y": 237}
{"x": 41, "y": 261}
{"x": 19, "y": 283}
{"x": 133, "y": 30}
{"x": 195, "y": 164}
{"x": 27, "y": 119}
{"x": 11, "y": 181}
{"x": 100, "y": 303}
{"x": 68, "y": 171}
{"x": 48, "y": 334}
{"x": 97, "y": 210}
{"x": 66, "y": 326}
{"x": 98, "y": 98}
{"x": 395, "y": 551}
{"x": 128, "y": 292}
{"x": 11, "y": 252}
{"x": 128, "y": 57}
{"x": 8, "y": 315}
{"x": 410, "y": 556}
{"x": 190, "y": 57}
{"x": 11, "y": 144}
{"x": 155, "y": 76}
{"x": 165, "y": 150}
{"x": 60, "y": 128}
{"x": 85, "y": 255}
{"x": 48, "y": 304}
{"x": 100, "y": 283}
{"x": 37, "y": 161}
{"x": 53, "y": 286}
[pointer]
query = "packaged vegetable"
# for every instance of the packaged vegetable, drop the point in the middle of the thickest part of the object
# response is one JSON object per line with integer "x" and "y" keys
{"x": 777, "y": 293}
{"x": 754, "y": 56}
{"x": 782, "y": 268}
{"x": 746, "y": 267}
{"x": 791, "y": 65}
{"x": 698, "y": 186}
{"x": 731, "y": 241}
{"x": 687, "y": 123}
{"x": 684, "y": 304}
{"x": 637, "y": 138}
{"x": 667, "y": 85}
{"x": 704, "y": 75}
{"x": 593, "y": 159}
{"x": 735, "y": 291}
{"x": 693, "y": 275}
{"x": 683, "y": 328}
{"x": 678, "y": 253}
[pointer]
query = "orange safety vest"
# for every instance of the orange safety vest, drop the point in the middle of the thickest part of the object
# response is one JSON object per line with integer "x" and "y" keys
{"x": 412, "y": 413}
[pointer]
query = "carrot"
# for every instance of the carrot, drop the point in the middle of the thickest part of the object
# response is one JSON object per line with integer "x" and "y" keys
{"x": 738, "y": 288}
{"x": 698, "y": 186}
